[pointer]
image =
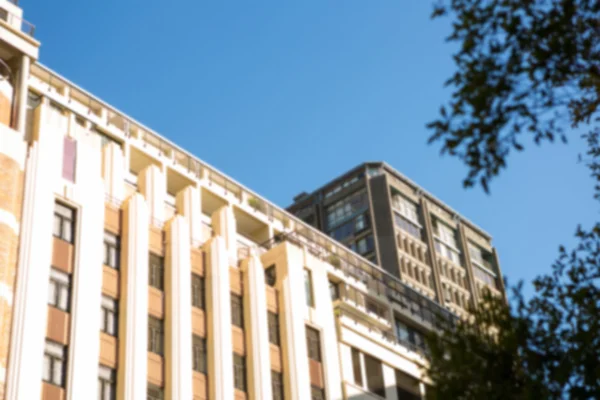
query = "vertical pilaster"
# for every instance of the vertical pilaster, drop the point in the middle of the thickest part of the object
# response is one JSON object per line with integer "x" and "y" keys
{"x": 22, "y": 94}
{"x": 113, "y": 171}
{"x": 153, "y": 185}
{"x": 133, "y": 318}
{"x": 330, "y": 350}
{"x": 295, "y": 354}
{"x": 432, "y": 252}
{"x": 189, "y": 204}
{"x": 178, "y": 311}
{"x": 218, "y": 301}
{"x": 224, "y": 225}
{"x": 257, "y": 329}
{"x": 84, "y": 346}
{"x": 468, "y": 266}
{"x": 389, "y": 381}
{"x": 28, "y": 333}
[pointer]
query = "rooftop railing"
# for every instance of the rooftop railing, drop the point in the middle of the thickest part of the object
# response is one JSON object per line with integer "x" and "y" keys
{"x": 315, "y": 241}
{"x": 17, "y": 22}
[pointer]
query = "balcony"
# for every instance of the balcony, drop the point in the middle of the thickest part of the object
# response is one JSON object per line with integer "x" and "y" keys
{"x": 368, "y": 309}
{"x": 16, "y": 22}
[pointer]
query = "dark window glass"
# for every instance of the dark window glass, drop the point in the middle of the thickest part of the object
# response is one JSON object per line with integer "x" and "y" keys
{"x": 198, "y": 293}
{"x": 374, "y": 373}
{"x": 317, "y": 393}
{"x": 273, "y": 328}
{"x": 356, "y": 367}
{"x": 55, "y": 360}
{"x": 106, "y": 383}
{"x": 64, "y": 222}
{"x": 199, "y": 354}
{"x": 407, "y": 387}
{"x": 334, "y": 290}
{"x": 155, "y": 335}
{"x": 156, "y": 271}
{"x": 155, "y": 392}
{"x": 277, "y": 385}
{"x": 313, "y": 343}
{"x": 59, "y": 290}
{"x": 270, "y": 275}
{"x": 237, "y": 311}
{"x": 109, "y": 316}
{"x": 111, "y": 250}
{"x": 239, "y": 372}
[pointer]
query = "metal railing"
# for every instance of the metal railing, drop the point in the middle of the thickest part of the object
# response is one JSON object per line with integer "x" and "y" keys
{"x": 15, "y": 2}
{"x": 17, "y": 22}
{"x": 377, "y": 281}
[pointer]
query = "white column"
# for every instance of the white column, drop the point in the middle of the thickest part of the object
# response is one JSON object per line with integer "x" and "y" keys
{"x": 133, "y": 307}
{"x": 189, "y": 204}
{"x": 178, "y": 311}
{"x": 258, "y": 357}
{"x": 113, "y": 171}
{"x": 152, "y": 183}
{"x": 293, "y": 299}
{"x": 218, "y": 301}
{"x": 326, "y": 319}
{"x": 42, "y": 169}
{"x": 389, "y": 382}
{"x": 22, "y": 95}
{"x": 84, "y": 345}
{"x": 224, "y": 225}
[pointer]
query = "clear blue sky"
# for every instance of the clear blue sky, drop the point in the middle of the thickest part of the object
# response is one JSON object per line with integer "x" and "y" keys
{"x": 285, "y": 95}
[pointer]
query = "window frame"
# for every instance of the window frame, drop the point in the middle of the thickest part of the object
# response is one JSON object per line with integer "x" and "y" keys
{"x": 308, "y": 288}
{"x": 55, "y": 353}
{"x": 60, "y": 280}
{"x": 239, "y": 368}
{"x": 156, "y": 271}
{"x": 156, "y": 335}
{"x": 64, "y": 214}
{"x": 237, "y": 310}
{"x": 273, "y": 323}
{"x": 313, "y": 343}
{"x": 199, "y": 354}
{"x": 277, "y": 385}
{"x": 109, "y": 308}
{"x": 198, "y": 291}
{"x": 107, "y": 377}
{"x": 112, "y": 243}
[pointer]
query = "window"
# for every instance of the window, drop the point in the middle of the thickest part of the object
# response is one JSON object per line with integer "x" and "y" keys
{"x": 484, "y": 275}
{"x": 239, "y": 372}
{"x": 155, "y": 335}
{"x": 408, "y": 335}
{"x": 271, "y": 275}
{"x": 407, "y": 387}
{"x": 407, "y": 226}
{"x": 273, "y": 320}
{"x": 64, "y": 221}
{"x": 374, "y": 374}
{"x": 446, "y": 243}
{"x": 198, "y": 295}
{"x": 406, "y": 208}
{"x": 308, "y": 291}
{"x": 364, "y": 245}
{"x": 106, "y": 384}
{"x": 334, "y": 290}
{"x": 111, "y": 250}
{"x": 69, "y": 158}
{"x": 155, "y": 392}
{"x": 313, "y": 343}
{"x": 199, "y": 354}
{"x": 109, "y": 316}
{"x": 156, "y": 271}
{"x": 237, "y": 310}
{"x": 346, "y": 208}
{"x": 337, "y": 188}
{"x": 350, "y": 228}
{"x": 55, "y": 356}
{"x": 317, "y": 393}
{"x": 277, "y": 385}
{"x": 59, "y": 290}
{"x": 356, "y": 370}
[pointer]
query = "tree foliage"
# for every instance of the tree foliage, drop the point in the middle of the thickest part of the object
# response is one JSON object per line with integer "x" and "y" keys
{"x": 526, "y": 69}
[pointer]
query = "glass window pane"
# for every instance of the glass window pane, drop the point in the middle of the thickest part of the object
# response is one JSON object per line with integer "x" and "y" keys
{"x": 57, "y": 225}
{"x": 57, "y": 372}
{"x": 52, "y": 293}
{"x": 46, "y": 370}
{"x": 66, "y": 231}
{"x": 63, "y": 299}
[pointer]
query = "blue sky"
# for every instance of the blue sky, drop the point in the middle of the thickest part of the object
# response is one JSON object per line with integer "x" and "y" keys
{"x": 283, "y": 96}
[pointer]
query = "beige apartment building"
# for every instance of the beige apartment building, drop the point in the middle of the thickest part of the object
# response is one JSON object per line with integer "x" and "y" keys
{"x": 131, "y": 270}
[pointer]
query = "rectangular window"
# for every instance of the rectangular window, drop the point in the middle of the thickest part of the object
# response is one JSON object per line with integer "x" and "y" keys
{"x": 64, "y": 222}
{"x": 55, "y": 356}
{"x": 239, "y": 372}
{"x": 313, "y": 343}
{"x": 356, "y": 370}
{"x": 156, "y": 271}
{"x": 69, "y": 158}
{"x": 198, "y": 291}
{"x": 334, "y": 290}
{"x": 111, "y": 250}
{"x": 106, "y": 383}
{"x": 155, "y": 392}
{"x": 277, "y": 385}
{"x": 308, "y": 290}
{"x": 237, "y": 311}
{"x": 273, "y": 328}
{"x": 317, "y": 393}
{"x": 346, "y": 208}
{"x": 59, "y": 290}
{"x": 410, "y": 336}
{"x": 407, "y": 386}
{"x": 199, "y": 354}
{"x": 407, "y": 226}
{"x": 155, "y": 335}
{"x": 271, "y": 276}
{"x": 109, "y": 316}
{"x": 374, "y": 373}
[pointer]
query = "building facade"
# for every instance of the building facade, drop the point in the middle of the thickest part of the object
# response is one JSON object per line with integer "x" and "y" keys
{"x": 384, "y": 216}
{"x": 131, "y": 270}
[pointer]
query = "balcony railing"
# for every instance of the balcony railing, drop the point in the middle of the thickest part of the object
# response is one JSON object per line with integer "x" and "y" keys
{"x": 377, "y": 280}
{"x": 17, "y": 22}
